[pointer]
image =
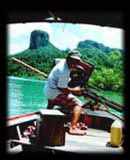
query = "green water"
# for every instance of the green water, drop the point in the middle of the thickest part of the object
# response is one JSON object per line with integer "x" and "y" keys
{"x": 27, "y": 95}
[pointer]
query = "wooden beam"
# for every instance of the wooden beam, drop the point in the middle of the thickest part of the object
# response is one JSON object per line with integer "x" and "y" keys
{"x": 30, "y": 67}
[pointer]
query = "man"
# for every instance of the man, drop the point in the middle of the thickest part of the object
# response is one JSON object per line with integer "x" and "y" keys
{"x": 58, "y": 92}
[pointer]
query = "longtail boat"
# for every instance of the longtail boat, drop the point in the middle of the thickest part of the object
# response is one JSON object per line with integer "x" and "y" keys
{"x": 39, "y": 132}
{"x": 97, "y": 139}
{"x": 99, "y": 122}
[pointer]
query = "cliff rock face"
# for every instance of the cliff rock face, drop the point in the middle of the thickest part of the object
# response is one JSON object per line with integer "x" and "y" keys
{"x": 38, "y": 39}
{"x": 90, "y": 44}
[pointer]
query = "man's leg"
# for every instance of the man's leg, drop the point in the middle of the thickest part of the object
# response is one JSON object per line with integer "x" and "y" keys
{"x": 73, "y": 104}
{"x": 75, "y": 117}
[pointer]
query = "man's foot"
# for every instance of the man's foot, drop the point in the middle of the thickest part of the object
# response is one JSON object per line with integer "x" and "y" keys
{"x": 82, "y": 126}
{"x": 76, "y": 131}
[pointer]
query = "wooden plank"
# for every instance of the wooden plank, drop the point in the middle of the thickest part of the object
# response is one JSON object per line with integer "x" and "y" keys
{"x": 99, "y": 113}
{"x": 51, "y": 112}
{"x": 22, "y": 120}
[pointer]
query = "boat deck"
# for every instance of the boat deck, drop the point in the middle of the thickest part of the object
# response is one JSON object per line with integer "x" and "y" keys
{"x": 94, "y": 141}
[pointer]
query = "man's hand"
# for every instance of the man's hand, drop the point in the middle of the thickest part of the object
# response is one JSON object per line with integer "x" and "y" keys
{"x": 64, "y": 90}
{"x": 76, "y": 90}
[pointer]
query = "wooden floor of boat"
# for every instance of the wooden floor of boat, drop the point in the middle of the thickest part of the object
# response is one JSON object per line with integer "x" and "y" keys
{"x": 94, "y": 141}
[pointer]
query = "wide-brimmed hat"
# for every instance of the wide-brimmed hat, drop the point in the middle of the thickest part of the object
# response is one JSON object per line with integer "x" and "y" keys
{"x": 74, "y": 54}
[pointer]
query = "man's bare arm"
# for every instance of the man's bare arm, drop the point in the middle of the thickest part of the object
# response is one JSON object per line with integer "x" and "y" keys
{"x": 75, "y": 90}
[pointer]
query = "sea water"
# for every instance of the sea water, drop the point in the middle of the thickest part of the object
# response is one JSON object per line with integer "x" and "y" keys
{"x": 27, "y": 95}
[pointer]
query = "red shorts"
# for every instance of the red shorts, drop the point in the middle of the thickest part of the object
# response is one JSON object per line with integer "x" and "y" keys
{"x": 66, "y": 100}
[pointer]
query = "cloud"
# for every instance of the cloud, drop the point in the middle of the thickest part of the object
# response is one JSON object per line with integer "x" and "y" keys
{"x": 63, "y": 35}
{"x": 109, "y": 36}
{"x": 15, "y": 48}
{"x": 22, "y": 28}
{"x": 65, "y": 39}
{"x": 113, "y": 37}
{"x": 19, "y": 35}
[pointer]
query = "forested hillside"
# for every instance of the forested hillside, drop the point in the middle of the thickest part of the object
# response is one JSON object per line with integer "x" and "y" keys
{"x": 108, "y": 62}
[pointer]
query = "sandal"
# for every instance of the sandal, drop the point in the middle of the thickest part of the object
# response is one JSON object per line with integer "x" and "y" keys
{"x": 76, "y": 131}
{"x": 82, "y": 126}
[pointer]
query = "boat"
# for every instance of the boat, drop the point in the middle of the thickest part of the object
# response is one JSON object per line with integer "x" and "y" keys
{"x": 24, "y": 132}
{"x": 28, "y": 132}
{"x": 99, "y": 122}
{"x": 96, "y": 140}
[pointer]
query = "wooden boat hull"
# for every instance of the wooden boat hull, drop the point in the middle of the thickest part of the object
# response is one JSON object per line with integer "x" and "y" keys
{"x": 96, "y": 140}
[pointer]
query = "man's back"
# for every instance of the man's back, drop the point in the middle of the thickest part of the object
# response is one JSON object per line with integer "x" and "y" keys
{"x": 58, "y": 77}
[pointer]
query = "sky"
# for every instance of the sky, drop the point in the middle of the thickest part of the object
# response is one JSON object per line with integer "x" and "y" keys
{"x": 62, "y": 35}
